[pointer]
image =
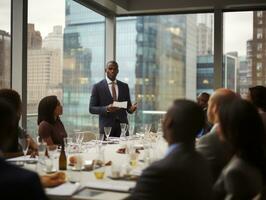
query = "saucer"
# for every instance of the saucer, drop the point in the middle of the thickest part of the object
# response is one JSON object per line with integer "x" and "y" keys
{"x": 77, "y": 169}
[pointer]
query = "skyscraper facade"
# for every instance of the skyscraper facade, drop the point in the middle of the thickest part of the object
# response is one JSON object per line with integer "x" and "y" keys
{"x": 44, "y": 74}
{"x": 163, "y": 65}
{"x": 256, "y": 49}
{"x": 5, "y": 65}
{"x": 83, "y": 64}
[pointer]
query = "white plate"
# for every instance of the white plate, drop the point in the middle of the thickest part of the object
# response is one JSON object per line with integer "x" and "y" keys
{"x": 50, "y": 172}
{"x": 75, "y": 169}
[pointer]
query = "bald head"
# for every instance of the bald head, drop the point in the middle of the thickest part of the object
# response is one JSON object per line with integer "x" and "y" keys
{"x": 219, "y": 97}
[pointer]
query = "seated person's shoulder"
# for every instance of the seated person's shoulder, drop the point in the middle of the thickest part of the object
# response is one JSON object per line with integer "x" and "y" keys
{"x": 44, "y": 124}
{"x": 11, "y": 172}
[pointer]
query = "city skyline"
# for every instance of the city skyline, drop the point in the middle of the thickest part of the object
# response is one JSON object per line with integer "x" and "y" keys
{"x": 239, "y": 26}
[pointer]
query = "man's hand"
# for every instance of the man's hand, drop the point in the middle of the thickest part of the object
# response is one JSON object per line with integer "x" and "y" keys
{"x": 133, "y": 108}
{"x": 111, "y": 108}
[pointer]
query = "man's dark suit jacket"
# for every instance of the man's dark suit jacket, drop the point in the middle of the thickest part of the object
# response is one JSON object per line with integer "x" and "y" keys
{"x": 101, "y": 98}
{"x": 182, "y": 174}
{"x": 17, "y": 183}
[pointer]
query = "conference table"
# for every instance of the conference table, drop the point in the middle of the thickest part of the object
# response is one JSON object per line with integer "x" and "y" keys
{"x": 81, "y": 182}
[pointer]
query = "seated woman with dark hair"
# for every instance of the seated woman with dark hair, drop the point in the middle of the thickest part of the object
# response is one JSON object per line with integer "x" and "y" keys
{"x": 14, "y": 100}
{"x": 245, "y": 175}
{"x": 51, "y": 128}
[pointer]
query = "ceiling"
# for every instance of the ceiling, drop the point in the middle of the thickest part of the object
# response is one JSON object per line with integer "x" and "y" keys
{"x": 140, "y": 7}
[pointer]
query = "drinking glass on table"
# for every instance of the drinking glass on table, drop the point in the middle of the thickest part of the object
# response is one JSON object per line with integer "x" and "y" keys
{"x": 52, "y": 151}
{"x": 147, "y": 128}
{"x": 99, "y": 138}
{"x": 79, "y": 139}
{"x": 107, "y": 131}
{"x": 99, "y": 164}
{"x": 131, "y": 131}
{"x": 24, "y": 143}
{"x": 67, "y": 142}
{"x": 124, "y": 127}
{"x": 41, "y": 150}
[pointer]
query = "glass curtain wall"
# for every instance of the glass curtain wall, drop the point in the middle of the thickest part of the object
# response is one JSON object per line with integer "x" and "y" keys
{"x": 244, "y": 50}
{"x": 65, "y": 58}
{"x": 5, "y": 44}
{"x": 162, "y": 58}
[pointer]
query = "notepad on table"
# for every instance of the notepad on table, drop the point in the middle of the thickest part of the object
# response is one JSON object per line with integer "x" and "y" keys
{"x": 121, "y": 186}
{"x": 66, "y": 189}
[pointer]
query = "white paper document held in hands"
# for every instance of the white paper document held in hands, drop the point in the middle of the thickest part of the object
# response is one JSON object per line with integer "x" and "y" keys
{"x": 120, "y": 104}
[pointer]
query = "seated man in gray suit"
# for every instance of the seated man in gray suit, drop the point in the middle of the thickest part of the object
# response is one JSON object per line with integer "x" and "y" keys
{"x": 104, "y": 93}
{"x": 183, "y": 173}
{"x": 217, "y": 153}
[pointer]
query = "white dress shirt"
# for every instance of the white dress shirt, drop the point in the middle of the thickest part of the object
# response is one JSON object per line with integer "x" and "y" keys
{"x": 109, "y": 82}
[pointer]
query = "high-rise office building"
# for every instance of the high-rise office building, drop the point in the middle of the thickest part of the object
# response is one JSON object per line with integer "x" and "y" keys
{"x": 164, "y": 67}
{"x": 244, "y": 76}
{"x": 5, "y": 65}
{"x": 83, "y": 64}
{"x": 44, "y": 74}
{"x": 34, "y": 38}
{"x": 255, "y": 51}
{"x": 204, "y": 34}
{"x": 205, "y": 72}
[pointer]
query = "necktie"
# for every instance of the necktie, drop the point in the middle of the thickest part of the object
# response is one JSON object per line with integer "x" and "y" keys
{"x": 113, "y": 91}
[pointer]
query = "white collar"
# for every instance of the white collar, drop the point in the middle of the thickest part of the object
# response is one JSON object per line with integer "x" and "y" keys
{"x": 109, "y": 81}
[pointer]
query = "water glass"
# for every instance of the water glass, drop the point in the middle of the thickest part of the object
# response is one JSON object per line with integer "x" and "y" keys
{"x": 24, "y": 142}
{"x": 131, "y": 131}
{"x": 124, "y": 127}
{"x": 41, "y": 150}
{"x": 107, "y": 131}
{"x": 115, "y": 169}
{"x": 68, "y": 142}
{"x": 99, "y": 163}
{"x": 147, "y": 128}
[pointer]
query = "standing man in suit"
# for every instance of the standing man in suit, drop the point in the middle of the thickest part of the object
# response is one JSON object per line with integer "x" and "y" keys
{"x": 104, "y": 93}
{"x": 183, "y": 173}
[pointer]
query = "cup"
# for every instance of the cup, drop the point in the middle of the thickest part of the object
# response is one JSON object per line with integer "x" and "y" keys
{"x": 115, "y": 170}
{"x": 78, "y": 165}
{"x": 49, "y": 165}
{"x": 99, "y": 163}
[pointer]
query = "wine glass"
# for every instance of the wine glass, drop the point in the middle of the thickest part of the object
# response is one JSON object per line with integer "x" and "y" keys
{"x": 131, "y": 131}
{"x": 124, "y": 127}
{"x": 24, "y": 142}
{"x": 99, "y": 138}
{"x": 147, "y": 128}
{"x": 107, "y": 131}
{"x": 67, "y": 143}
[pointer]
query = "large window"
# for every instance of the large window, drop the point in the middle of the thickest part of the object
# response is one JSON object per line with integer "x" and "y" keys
{"x": 244, "y": 44}
{"x": 5, "y": 39}
{"x": 65, "y": 58}
{"x": 164, "y": 57}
